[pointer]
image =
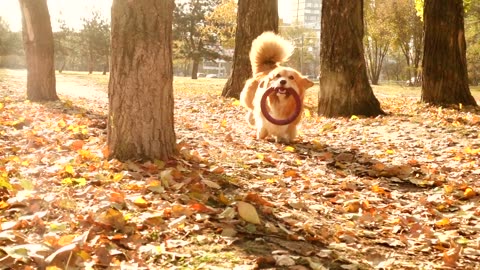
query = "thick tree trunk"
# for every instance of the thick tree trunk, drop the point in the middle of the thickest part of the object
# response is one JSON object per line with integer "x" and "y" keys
{"x": 140, "y": 123}
{"x": 38, "y": 43}
{"x": 344, "y": 86}
{"x": 445, "y": 78}
{"x": 253, "y": 18}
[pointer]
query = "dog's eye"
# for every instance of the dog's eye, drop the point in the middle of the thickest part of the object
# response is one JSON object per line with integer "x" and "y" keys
{"x": 278, "y": 76}
{"x": 291, "y": 77}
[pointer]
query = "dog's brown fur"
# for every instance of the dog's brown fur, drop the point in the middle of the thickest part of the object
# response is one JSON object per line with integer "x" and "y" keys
{"x": 267, "y": 53}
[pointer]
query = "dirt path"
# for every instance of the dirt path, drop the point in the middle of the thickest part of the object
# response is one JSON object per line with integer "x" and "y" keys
{"x": 69, "y": 86}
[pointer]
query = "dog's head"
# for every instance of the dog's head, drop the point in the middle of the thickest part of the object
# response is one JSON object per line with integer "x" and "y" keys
{"x": 283, "y": 78}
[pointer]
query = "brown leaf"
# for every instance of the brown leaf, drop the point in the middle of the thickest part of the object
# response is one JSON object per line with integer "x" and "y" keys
{"x": 255, "y": 198}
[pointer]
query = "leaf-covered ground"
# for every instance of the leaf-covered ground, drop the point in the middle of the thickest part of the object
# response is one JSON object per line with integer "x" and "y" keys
{"x": 393, "y": 192}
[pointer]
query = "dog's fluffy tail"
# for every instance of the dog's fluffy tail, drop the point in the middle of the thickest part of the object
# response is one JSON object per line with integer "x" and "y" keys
{"x": 268, "y": 50}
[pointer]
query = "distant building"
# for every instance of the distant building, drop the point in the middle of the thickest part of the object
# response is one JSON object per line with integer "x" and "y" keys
{"x": 307, "y": 13}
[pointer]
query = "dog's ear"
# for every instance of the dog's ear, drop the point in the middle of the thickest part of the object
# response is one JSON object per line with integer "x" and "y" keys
{"x": 306, "y": 83}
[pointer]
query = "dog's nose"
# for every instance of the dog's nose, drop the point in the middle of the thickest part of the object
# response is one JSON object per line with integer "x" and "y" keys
{"x": 283, "y": 82}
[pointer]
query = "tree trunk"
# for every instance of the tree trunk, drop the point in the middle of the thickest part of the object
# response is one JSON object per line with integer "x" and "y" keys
{"x": 375, "y": 52}
{"x": 253, "y": 18}
{"x": 195, "y": 64}
{"x": 38, "y": 44}
{"x": 90, "y": 62}
{"x": 140, "y": 90}
{"x": 445, "y": 78}
{"x": 62, "y": 67}
{"x": 344, "y": 87}
{"x": 105, "y": 65}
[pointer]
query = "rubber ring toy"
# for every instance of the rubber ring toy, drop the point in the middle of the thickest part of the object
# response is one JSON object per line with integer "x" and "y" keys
{"x": 292, "y": 117}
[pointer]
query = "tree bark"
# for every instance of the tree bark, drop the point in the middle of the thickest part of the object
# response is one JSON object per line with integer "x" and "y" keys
{"x": 445, "y": 78}
{"x": 195, "y": 64}
{"x": 140, "y": 123}
{"x": 253, "y": 18}
{"x": 39, "y": 50}
{"x": 344, "y": 86}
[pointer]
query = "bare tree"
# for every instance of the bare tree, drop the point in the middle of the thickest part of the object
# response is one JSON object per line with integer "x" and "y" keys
{"x": 38, "y": 44}
{"x": 344, "y": 86}
{"x": 140, "y": 123}
{"x": 445, "y": 77}
{"x": 253, "y": 18}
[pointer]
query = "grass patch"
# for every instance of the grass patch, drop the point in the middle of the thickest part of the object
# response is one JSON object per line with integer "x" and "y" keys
{"x": 96, "y": 77}
{"x": 189, "y": 87}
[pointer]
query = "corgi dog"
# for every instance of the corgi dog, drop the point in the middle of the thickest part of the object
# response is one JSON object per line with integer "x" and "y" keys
{"x": 266, "y": 55}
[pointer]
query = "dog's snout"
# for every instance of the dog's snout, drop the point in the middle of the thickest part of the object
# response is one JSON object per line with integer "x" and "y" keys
{"x": 283, "y": 82}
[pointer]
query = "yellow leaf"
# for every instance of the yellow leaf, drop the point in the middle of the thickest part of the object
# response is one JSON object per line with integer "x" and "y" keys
{"x": 223, "y": 199}
{"x": 328, "y": 127}
{"x": 2, "y": 106}
{"x": 86, "y": 154}
{"x": 4, "y": 205}
{"x": 223, "y": 123}
{"x": 80, "y": 181}
{"x": 271, "y": 180}
{"x": 68, "y": 103}
{"x": 236, "y": 103}
{"x": 84, "y": 255}
{"x": 61, "y": 123}
{"x": 447, "y": 189}
{"x": 472, "y": 151}
{"x": 354, "y": 117}
{"x": 469, "y": 193}
{"x": 289, "y": 149}
{"x": 390, "y": 152}
{"x": 260, "y": 156}
{"x": 141, "y": 202}
{"x": 307, "y": 113}
{"x": 53, "y": 267}
{"x": 69, "y": 169}
{"x": 67, "y": 181}
{"x": 4, "y": 181}
{"x": 117, "y": 177}
{"x": 378, "y": 189}
{"x": 248, "y": 212}
{"x": 443, "y": 222}
{"x": 66, "y": 239}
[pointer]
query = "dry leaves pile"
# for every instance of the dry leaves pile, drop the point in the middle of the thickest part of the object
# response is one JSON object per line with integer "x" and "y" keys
{"x": 393, "y": 192}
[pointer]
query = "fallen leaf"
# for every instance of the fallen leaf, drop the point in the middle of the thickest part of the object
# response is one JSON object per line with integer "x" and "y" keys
{"x": 248, "y": 212}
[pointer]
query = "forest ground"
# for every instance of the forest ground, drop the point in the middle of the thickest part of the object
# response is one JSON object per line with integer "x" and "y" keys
{"x": 399, "y": 191}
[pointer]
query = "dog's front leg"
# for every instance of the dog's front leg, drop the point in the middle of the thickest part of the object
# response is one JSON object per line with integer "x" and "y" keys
{"x": 261, "y": 133}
